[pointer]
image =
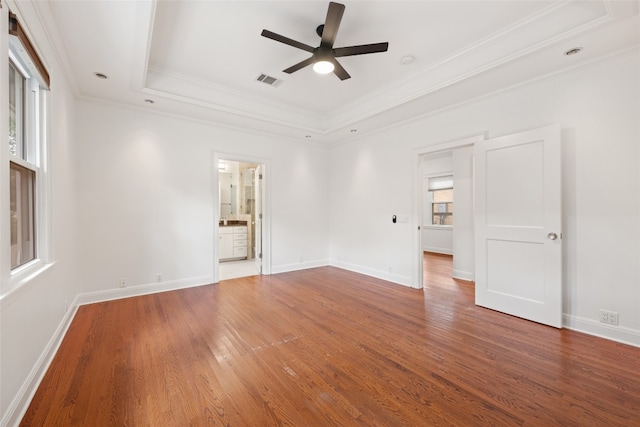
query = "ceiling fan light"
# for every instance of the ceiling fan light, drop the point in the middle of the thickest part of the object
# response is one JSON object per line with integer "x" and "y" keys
{"x": 323, "y": 67}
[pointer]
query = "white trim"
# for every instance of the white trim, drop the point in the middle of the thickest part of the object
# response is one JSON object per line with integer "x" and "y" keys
{"x": 592, "y": 327}
{"x": 266, "y": 207}
{"x": 379, "y": 274}
{"x": 284, "y": 268}
{"x": 20, "y": 403}
{"x": 434, "y": 249}
{"x": 417, "y": 182}
{"x": 145, "y": 14}
{"x": 37, "y": 117}
{"x": 23, "y": 275}
{"x": 437, "y": 227}
{"x": 462, "y": 275}
{"x": 138, "y": 290}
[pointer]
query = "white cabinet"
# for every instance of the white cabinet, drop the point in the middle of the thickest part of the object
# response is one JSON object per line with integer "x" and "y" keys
{"x": 225, "y": 246}
{"x": 233, "y": 242}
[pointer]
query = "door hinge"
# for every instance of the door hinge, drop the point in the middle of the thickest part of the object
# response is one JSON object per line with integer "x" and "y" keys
{"x": 259, "y": 216}
{"x": 260, "y": 176}
{"x": 260, "y": 255}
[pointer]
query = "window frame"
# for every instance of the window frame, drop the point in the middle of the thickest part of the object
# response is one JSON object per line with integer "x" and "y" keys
{"x": 435, "y": 213}
{"x": 31, "y": 215}
{"x": 428, "y": 203}
{"x": 35, "y": 157}
{"x": 20, "y": 106}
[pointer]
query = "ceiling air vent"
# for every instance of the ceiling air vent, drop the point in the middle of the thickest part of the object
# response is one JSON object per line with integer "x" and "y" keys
{"x": 271, "y": 81}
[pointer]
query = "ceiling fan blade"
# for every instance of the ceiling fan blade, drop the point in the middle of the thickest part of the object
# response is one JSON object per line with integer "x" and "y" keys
{"x": 299, "y": 65}
{"x": 331, "y": 24}
{"x": 339, "y": 70}
{"x": 360, "y": 49}
{"x": 286, "y": 40}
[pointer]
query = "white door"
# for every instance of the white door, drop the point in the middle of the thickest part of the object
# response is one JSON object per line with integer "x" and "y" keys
{"x": 258, "y": 218}
{"x": 518, "y": 225}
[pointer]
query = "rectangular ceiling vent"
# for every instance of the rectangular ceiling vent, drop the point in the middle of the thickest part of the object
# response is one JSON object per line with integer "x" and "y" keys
{"x": 271, "y": 81}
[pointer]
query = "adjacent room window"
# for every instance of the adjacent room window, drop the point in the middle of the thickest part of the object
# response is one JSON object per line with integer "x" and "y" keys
{"x": 441, "y": 199}
{"x": 27, "y": 78}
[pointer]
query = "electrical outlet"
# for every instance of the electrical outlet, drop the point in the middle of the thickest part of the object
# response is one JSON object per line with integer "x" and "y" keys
{"x": 609, "y": 317}
{"x": 159, "y": 277}
{"x": 604, "y": 316}
{"x": 123, "y": 282}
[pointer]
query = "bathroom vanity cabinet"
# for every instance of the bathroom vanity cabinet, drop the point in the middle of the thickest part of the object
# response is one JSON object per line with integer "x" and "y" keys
{"x": 233, "y": 242}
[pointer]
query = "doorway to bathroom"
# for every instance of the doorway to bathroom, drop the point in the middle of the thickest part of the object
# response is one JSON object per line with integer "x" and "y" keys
{"x": 240, "y": 217}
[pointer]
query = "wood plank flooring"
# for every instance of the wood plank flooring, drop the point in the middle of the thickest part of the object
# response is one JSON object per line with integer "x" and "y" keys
{"x": 328, "y": 347}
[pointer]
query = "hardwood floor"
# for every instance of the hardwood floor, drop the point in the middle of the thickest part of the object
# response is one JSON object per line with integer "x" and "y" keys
{"x": 328, "y": 347}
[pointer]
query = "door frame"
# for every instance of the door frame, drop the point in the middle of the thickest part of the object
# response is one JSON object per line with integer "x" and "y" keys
{"x": 266, "y": 207}
{"x": 418, "y": 274}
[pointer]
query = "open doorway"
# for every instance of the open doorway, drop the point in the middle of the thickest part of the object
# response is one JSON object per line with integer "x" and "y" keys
{"x": 445, "y": 200}
{"x": 438, "y": 203}
{"x": 437, "y": 218}
{"x": 240, "y": 215}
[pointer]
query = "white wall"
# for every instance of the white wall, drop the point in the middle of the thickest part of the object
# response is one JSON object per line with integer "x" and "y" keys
{"x": 597, "y": 107}
{"x": 435, "y": 239}
{"x": 463, "y": 240}
{"x": 133, "y": 192}
{"x": 34, "y": 315}
{"x": 146, "y": 197}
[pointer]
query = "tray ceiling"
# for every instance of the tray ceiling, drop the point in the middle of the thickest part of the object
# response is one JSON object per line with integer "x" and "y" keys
{"x": 201, "y": 59}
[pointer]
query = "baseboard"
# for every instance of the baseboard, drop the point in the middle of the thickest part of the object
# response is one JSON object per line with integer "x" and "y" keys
{"x": 20, "y": 403}
{"x": 462, "y": 275}
{"x": 18, "y": 407}
{"x": 378, "y": 274}
{"x": 146, "y": 289}
{"x": 298, "y": 266}
{"x": 444, "y": 251}
{"x": 592, "y": 327}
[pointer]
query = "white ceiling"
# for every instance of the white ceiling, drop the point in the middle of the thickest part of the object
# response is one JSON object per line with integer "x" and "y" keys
{"x": 201, "y": 58}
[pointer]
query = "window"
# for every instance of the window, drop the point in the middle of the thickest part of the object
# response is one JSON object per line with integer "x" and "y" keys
{"x": 16, "y": 110}
{"x": 27, "y": 77}
{"x": 22, "y": 214}
{"x": 441, "y": 199}
{"x": 23, "y": 169}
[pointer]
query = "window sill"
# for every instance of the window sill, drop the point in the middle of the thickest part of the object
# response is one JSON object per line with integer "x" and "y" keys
{"x": 23, "y": 276}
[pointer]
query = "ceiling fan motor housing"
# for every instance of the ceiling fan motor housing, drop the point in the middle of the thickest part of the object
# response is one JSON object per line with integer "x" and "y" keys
{"x": 326, "y": 52}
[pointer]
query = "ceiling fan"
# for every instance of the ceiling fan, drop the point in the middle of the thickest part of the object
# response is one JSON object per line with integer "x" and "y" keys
{"x": 324, "y": 56}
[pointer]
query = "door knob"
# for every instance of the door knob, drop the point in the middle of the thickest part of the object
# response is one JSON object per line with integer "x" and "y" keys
{"x": 552, "y": 236}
